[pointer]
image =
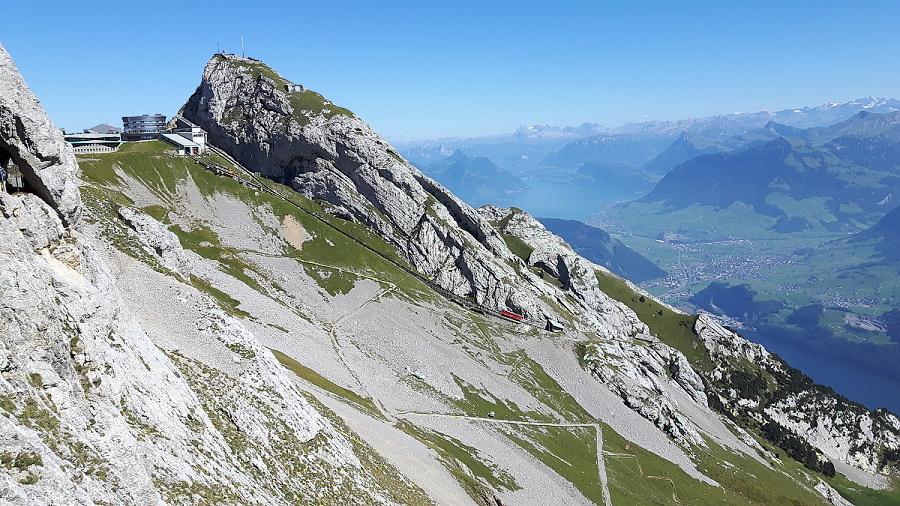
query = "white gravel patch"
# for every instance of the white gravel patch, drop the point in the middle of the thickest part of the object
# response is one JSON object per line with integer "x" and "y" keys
{"x": 167, "y": 309}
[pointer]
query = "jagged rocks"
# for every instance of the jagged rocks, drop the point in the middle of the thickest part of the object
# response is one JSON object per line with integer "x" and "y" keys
{"x": 636, "y": 373}
{"x": 158, "y": 240}
{"x": 30, "y": 140}
{"x": 548, "y": 254}
{"x": 327, "y": 153}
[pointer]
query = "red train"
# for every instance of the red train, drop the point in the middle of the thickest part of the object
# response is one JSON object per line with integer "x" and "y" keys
{"x": 512, "y": 316}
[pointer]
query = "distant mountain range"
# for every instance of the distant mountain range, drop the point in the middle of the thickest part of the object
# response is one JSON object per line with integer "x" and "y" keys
{"x": 634, "y": 155}
{"x": 781, "y": 219}
{"x": 791, "y": 177}
{"x": 476, "y": 180}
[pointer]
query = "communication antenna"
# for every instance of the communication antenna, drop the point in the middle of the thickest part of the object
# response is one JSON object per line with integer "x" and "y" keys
{"x": 242, "y": 48}
{"x": 217, "y": 48}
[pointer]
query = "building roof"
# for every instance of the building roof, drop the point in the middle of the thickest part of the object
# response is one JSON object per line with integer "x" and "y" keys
{"x": 179, "y": 140}
{"x": 103, "y": 128}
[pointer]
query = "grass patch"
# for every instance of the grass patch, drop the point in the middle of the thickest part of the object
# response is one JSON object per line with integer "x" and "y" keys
{"x": 158, "y": 213}
{"x": 674, "y": 329}
{"x": 20, "y": 461}
{"x": 226, "y": 302}
{"x": 570, "y": 451}
{"x": 863, "y": 496}
{"x": 518, "y": 247}
{"x": 333, "y": 280}
{"x": 462, "y": 461}
{"x": 481, "y": 403}
{"x": 638, "y": 477}
{"x": 205, "y": 243}
{"x": 532, "y": 377}
{"x": 36, "y": 418}
{"x": 363, "y": 403}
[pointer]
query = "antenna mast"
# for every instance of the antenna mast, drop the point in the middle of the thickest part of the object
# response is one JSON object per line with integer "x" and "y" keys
{"x": 242, "y": 48}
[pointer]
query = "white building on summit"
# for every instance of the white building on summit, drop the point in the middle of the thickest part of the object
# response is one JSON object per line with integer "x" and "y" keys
{"x": 187, "y": 137}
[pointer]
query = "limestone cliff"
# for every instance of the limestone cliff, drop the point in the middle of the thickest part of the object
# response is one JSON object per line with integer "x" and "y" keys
{"x": 325, "y": 152}
{"x": 845, "y": 432}
{"x": 30, "y": 140}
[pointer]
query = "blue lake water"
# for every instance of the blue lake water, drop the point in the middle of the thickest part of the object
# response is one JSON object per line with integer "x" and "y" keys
{"x": 567, "y": 201}
{"x": 869, "y": 388}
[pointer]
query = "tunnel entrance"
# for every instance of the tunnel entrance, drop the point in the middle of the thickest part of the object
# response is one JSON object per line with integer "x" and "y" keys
{"x": 11, "y": 179}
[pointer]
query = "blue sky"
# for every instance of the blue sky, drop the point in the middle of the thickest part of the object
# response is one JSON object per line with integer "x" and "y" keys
{"x": 428, "y": 68}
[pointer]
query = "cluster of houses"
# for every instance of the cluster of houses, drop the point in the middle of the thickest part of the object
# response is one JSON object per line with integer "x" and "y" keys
{"x": 186, "y": 137}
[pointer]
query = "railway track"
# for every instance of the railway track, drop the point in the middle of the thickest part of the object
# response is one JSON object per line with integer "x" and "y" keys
{"x": 248, "y": 178}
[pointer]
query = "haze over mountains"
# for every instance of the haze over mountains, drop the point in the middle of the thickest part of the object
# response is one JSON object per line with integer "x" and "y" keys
{"x": 803, "y": 219}
{"x": 634, "y": 144}
{"x": 477, "y": 180}
{"x": 804, "y": 178}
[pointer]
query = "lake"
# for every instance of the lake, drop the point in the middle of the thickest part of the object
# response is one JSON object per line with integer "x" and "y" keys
{"x": 567, "y": 201}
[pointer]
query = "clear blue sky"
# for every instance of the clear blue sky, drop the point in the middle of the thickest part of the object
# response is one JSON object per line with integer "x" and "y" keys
{"x": 427, "y": 68}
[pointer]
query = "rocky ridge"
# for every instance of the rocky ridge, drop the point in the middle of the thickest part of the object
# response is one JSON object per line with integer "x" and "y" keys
{"x": 327, "y": 153}
{"x": 634, "y": 371}
{"x": 845, "y": 432}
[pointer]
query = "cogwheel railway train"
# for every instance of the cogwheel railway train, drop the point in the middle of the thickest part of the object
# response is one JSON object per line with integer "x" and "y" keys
{"x": 511, "y": 316}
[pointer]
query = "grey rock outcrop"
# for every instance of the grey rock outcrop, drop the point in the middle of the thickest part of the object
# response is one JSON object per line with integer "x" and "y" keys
{"x": 576, "y": 275}
{"x": 326, "y": 153}
{"x": 844, "y": 432}
{"x": 158, "y": 240}
{"x": 30, "y": 140}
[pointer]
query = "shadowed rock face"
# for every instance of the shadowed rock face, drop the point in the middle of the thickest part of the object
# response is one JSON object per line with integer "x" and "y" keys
{"x": 32, "y": 141}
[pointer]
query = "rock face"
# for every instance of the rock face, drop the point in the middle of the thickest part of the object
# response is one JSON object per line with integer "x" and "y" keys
{"x": 30, "y": 140}
{"x": 843, "y": 431}
{"x": 636, "y": 372}
{"x": 327, "y": 153}
{"x": 158, "y": 240}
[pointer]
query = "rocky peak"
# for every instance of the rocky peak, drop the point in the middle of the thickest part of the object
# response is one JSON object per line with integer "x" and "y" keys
{"x": 326, "y": 153}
